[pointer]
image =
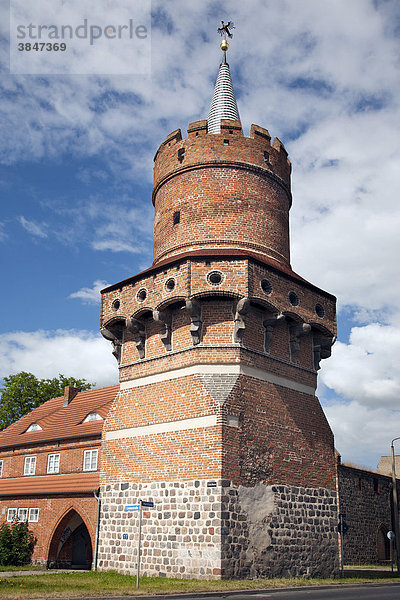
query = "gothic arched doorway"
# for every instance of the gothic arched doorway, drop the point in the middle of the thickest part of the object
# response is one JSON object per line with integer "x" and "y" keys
{"x": 382, "y": 544}
{"x": 70, "y": 546}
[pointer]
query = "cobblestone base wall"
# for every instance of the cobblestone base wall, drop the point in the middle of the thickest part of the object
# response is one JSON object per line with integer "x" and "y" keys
{"x": 365, "y": 501}
{"x": 213, "y": 530}
{"x": 279, "y": 531}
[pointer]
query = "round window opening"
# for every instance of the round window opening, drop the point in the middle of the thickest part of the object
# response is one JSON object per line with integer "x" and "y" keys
{"x": 141, "y": 295}
{"x": 215, "y": 277}
{"x": 170, "y": 284}
{"x": 116, "y": 304}
{"x": 266, "y": 286}
{"x": 293, "y": 299}
{"x": 319, "y": 309}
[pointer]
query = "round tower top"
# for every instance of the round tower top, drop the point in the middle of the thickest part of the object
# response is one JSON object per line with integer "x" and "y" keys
{"x": 218, "y": 189}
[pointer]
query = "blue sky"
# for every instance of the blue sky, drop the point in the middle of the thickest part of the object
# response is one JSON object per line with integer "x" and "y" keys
{"x": 76, "y": 177}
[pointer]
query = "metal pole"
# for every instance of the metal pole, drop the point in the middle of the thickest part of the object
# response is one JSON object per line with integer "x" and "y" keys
{"x": 139, "y": 544}
{"x": 395, "y": 507}
{"x": 391, "y": 553}
{"x": 341, "y": 547}
{"x": 96, "y": 543}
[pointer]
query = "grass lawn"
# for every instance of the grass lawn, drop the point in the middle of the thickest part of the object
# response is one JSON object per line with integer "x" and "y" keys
{"x": 110, "y": 583}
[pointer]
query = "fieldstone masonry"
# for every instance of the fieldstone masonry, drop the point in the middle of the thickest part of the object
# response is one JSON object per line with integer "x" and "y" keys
{"x": 212, "y": 529}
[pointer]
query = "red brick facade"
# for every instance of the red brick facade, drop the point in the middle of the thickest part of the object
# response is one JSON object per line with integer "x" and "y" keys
{"x": 218, "y": 347}
{"x": 52, "y": 471}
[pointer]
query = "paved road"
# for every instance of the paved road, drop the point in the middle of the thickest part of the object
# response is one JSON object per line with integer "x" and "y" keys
{"x": 388, "y": 592}
{"x": 362, "y": 592}
{"x": 346, "y": 592}
{"x": 4, "y": 574}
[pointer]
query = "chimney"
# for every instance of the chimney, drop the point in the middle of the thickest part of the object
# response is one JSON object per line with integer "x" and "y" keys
{"x": 69, "y": 393}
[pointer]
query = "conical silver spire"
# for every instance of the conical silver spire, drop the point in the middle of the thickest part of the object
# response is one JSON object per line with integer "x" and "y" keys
{"x": 223, "y": 104}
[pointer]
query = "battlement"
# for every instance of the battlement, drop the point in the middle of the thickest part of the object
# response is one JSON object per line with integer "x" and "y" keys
{"x": 176, "y": 154}
{"x": 221, "y": 190}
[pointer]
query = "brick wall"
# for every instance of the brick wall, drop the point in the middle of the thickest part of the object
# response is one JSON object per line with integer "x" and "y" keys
{"x": 52, "y": 510}
{"x": 71, "y": 456}
{"x": 218, "y": 347}
{"x": 53, "y": 507}
{"x": 229, "y": 190}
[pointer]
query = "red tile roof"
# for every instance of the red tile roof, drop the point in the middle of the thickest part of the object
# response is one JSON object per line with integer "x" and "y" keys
{"x": 59, "y": 422}
{"x": 49, "y": 484}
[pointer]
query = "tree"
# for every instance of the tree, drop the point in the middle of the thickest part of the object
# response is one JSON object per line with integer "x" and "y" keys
{"x": 16, "y": 543}
{"x": 23, "y": 392}
{"x": 23, "y": 543}
{"x": 5, "y": 544}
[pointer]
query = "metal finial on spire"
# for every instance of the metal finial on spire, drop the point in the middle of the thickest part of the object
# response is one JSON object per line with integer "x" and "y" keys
{"x": 223, "y": 104}
{"x": 224, "y": 31}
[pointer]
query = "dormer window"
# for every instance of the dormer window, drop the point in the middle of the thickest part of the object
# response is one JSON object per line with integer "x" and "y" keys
{"x": 33, "y": 427}
{"x": 93, "y": 416}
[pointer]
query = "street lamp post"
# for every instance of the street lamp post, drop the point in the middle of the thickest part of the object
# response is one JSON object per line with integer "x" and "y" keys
{"x": 395, "y": 507}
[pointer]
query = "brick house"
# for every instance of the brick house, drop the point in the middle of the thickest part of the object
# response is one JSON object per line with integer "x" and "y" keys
{"x": 49, "y": 474}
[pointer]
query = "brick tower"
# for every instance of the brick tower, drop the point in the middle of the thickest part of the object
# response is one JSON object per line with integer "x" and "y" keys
{"x": 218, "y": 345}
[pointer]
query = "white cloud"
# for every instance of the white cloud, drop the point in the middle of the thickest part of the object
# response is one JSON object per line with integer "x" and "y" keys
{"x": 368, "y": 368}
{"x": 115, "y": 245}
{"x": 90, "y": 295}
{"x": 33, "y": 228}
{"x": 346, "y": 216}
{"x": 362, "y": 434}
{"x": 79, "y": 354}
{"x": 3, "y": 235}
{"x": 98, "y": 223}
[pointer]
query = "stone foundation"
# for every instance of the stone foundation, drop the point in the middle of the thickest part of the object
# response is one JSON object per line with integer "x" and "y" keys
{"x": 213, "y": 530}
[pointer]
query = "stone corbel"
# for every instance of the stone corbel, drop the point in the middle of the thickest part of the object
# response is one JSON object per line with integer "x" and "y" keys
{"x": 297, "y": 331}
{"x": 115, "y": 340}
{"x": 136, "y": 328}
{"x": 242, "y": 309}
{"x": 322, "y": 348}
{"x": 165, "y": 318}
{"x": 196, "y": 323}
{"x": 270, "y": 325}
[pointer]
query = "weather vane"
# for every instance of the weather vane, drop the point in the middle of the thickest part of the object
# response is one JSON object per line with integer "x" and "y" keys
{"x": 224, "y": 31}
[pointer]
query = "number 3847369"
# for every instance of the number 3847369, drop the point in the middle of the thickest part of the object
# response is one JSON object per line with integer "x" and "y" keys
{"x": 42, "y": 47}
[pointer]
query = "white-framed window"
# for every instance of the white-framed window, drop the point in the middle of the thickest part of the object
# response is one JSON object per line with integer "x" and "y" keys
{"x": 1, "y": 468}
{"x": 33, "y": 515}
{"x": 30, "y": 465}
{"x": 90, "y": 460}
{"x": 11, "y": 514}
{"x": 53, "y": 463}
{"x": 22, "y": 514}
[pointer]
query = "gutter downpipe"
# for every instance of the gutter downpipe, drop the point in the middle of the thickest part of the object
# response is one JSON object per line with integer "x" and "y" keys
{"x": 96, "y": 541}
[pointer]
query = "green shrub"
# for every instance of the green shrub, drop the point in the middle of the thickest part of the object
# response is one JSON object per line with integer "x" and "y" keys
{"x": 5, "y": 544}
{"x": 16, "y": 543}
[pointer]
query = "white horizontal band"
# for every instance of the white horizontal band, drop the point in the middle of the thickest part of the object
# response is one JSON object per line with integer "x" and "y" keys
{"x": 219, "y": 369}
{"x": 183, "y": 424}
